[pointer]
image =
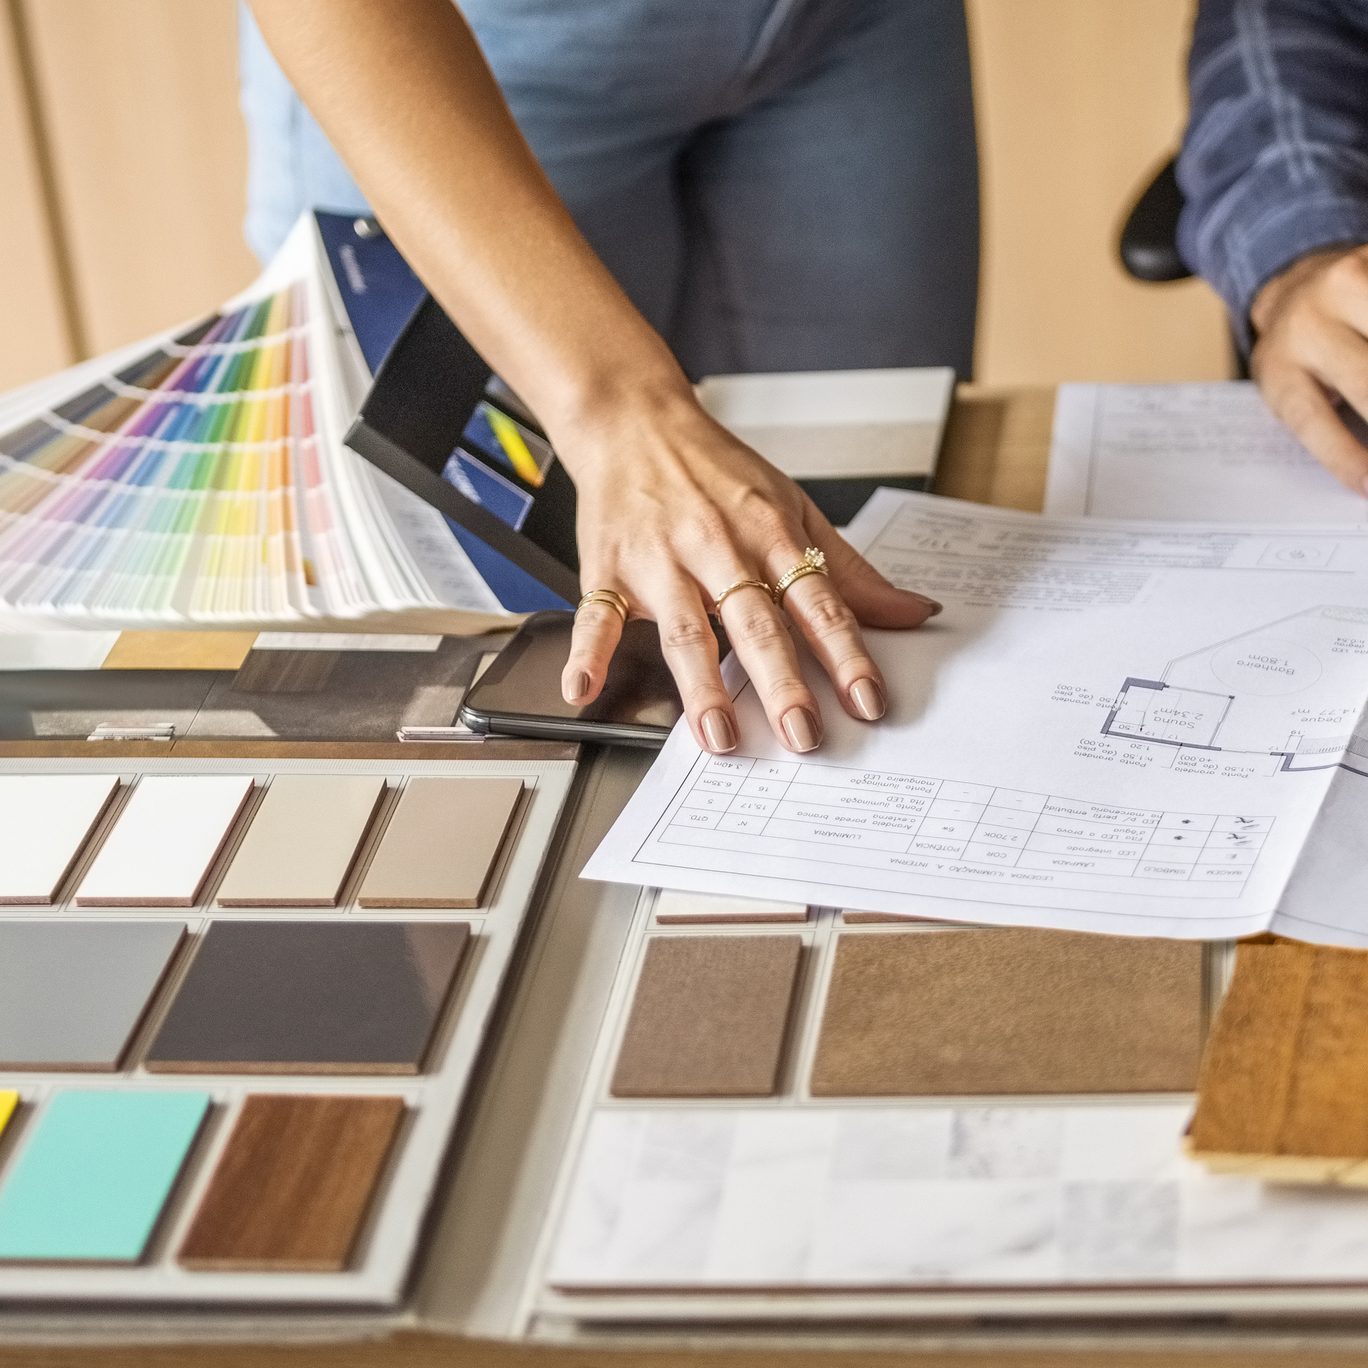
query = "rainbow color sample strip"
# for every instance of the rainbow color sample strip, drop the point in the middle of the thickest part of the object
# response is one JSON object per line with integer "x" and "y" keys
{"x": 204, "y": 480}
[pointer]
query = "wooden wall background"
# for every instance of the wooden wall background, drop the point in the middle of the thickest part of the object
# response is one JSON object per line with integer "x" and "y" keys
{"x": 122, "y": 164}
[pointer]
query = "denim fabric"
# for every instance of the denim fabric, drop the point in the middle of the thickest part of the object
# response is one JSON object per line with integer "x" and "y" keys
{"x": 777, "y": 184}
{"x": 1275, "y": 161}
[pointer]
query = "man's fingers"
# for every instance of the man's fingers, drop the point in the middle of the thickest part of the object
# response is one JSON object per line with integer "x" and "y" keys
{"x": 874, "y": 600}
{"x": 1299, "y": 399}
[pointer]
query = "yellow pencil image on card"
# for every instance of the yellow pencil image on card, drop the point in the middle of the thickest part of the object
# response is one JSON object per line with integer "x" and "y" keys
{"x": 515, "y": 448}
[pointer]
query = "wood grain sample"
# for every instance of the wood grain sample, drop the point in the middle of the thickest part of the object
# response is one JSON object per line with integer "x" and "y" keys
{"x": 295, "y": 1182}
{"x": 1009, "y": 1011}
{"x": 1284, "y": 1080}
{"x": 441, "y": 844}
{"x": 303, "y": 841}
{"x": 310, "y": 997}
{"x": 709, "y": 1017}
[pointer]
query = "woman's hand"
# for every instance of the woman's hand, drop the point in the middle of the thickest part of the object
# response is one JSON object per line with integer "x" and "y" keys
{"x": 672, "y": 510}
{"x": 1312, "y": 322}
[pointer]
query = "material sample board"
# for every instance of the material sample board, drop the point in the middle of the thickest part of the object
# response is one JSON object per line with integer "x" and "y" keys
{"x": 1009, "y": 1011}
{"x": 294, "y": 1184}
{"x": 310, "y": 997}
{"x": 93, "y": 1176}
{"x": 709, "y": 1017}
{"x": 441, "y": 843}
{"x": 73, "y": 992}
{"x": 45, "y": 822}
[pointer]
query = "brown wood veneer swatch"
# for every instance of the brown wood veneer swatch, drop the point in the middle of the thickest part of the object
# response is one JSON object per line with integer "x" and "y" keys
{"x": 709, "y": 1017}
{"x": 294, "y": 1184}
{"x": 441, "y": 843}
{"x": 1009, "y": 1011}
{"x": 1285, "y": 1073}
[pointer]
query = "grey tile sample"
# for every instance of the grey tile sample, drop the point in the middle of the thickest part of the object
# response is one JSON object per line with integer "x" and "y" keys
{"x": 289, "y": 997}
{"x": 73, "y": 992}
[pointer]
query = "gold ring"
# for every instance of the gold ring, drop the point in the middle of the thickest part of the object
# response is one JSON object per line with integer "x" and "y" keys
{"x": 740, "y": 584}
{"x": 813, "y": 563}
{"x": 609, "y": 596}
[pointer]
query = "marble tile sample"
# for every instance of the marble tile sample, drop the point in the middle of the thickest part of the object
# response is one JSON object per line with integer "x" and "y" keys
{"x": 92, "y": 1178}
{"x": 165, "y": 841}
{"x": 1280, "y": 1080}
{"x": 709, "y": 1017}
{"x": 673, "y": 908}
{"x": 1009, "y": 1011}
{"x": 441, "y": 844}
{"x": 45, "y": 822}
{"x": 879, "y": 1197}
{"x": 73, "y": 992}
{"x": 303, "y": 841}
{"x": 310, "y": 997}
{"x": 294, "y": 1184}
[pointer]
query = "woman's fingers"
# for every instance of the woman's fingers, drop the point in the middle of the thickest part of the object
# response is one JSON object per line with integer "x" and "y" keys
{"x": 830, "y": 629}
{"x": 690, "y": 649}
{"x": 875, "y": 601}
{"x": 594, "y": 638}
{"x": 1302, "y": 403}
{"x": 759, "y": 635}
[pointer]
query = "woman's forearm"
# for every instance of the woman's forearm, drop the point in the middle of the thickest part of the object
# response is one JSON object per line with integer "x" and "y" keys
{"x": 405, "y": 95}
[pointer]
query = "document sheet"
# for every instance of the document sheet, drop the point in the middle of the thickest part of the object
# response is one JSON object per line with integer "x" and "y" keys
{"x": 1128, "y": 727}
{"x": 1206, "y": 452}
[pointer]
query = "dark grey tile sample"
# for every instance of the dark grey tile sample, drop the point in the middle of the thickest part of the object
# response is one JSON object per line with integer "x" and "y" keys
{"x": 310, "y": 997}
{"x": 73, "y": 992}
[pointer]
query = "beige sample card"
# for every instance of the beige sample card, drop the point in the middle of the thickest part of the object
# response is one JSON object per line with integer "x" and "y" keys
{"x": 979, "y": 1012}
{"x": 673, "y": 908}
{"x": 45, "y": 822}
{"x": 165, "y": 841}
{"x": 303, "y": 841}
{"x": 709, "y": 1017}
{"x": 441, "y": 844}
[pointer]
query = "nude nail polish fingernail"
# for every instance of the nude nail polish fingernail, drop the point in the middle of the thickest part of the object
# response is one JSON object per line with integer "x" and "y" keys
{"x": 1365, "y": 486}
{"x": 800, "y": 727}
{"x": 579, "y": 686}
{"x": 931, "y": 604}
{"x": 868, "y": 699}
{"x": 718, "y": 731}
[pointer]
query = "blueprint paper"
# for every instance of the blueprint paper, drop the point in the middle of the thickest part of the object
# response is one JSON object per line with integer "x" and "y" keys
{"x": 1127, "y": 727}
{"x": 1192, "y": 452}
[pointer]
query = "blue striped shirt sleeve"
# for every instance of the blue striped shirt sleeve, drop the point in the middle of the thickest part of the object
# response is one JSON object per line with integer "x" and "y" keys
{"x": 1274, "y": 163}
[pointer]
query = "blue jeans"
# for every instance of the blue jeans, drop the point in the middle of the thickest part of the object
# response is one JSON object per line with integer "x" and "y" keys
{"x": 777, "y": 184}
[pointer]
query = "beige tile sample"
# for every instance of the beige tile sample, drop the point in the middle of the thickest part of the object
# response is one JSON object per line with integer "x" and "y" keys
{"x": 709, "y": 1017}
{"x": 1009, "y": 1011}
{"x": 303, "y": 841}
{"x": 441, "y": 844}
{"x": 673, "y": 908}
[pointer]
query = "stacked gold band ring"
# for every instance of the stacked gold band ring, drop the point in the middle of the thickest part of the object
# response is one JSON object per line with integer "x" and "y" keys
{"x": 740, "y": 584}
{"x": 609, "y": 596}
{"x": 813, "y": 563}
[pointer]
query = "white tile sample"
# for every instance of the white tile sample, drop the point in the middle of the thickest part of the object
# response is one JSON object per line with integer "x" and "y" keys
{"x": 45, "y": 820}
{"x": 1071, "y": 1196}
{"x": 165, "y": 840}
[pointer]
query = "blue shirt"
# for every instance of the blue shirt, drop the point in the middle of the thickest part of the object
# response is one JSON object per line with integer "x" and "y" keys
{"x": 1275, "y": 160}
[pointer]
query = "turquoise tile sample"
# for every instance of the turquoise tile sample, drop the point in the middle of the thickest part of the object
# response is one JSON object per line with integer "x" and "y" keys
{"x": 91, "y": 1178}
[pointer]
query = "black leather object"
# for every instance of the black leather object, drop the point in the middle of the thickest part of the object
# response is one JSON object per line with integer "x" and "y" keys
{"x": 1149, "y": 237}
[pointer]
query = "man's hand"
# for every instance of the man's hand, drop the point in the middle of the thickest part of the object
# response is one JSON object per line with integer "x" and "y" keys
{"x": 1312, "y": 350}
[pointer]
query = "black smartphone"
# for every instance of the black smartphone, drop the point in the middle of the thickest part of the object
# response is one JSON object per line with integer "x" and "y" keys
{"x": 520, "y": 693}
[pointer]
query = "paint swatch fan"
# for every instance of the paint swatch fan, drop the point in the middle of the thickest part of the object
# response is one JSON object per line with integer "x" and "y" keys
{"x": 199, "y": 477}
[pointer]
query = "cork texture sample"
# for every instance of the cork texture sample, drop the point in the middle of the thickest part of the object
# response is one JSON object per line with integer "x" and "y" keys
{"x": 709, "y": 1017}
{"x": 1286, "y": 1069}
{"x": 1009, "y": 1011}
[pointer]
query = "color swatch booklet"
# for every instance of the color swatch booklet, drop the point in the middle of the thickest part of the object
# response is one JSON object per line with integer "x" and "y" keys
{"x": 199, "y": 477}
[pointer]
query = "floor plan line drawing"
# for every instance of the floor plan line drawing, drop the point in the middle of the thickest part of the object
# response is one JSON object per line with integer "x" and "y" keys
{"x": 1295, "y": 689}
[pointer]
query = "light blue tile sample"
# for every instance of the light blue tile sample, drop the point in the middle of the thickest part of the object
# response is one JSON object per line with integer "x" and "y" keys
{"x": 91, "y": 1178}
